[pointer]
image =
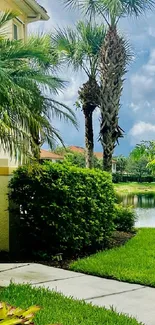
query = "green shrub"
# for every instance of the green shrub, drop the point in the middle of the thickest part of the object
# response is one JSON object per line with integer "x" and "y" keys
{"x": 118, "y": 178}
{"x": 60, "y": 209}
{"x": 125, "y": 218}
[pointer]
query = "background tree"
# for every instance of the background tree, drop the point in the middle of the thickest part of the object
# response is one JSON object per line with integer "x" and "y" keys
{"x": 114, "y": 56}
{"x": 27, "y": 75}
{"x": 121, "y": 164}
{"x": 138, "y": 159}
{"x": 77, "y": 159}
{"x": 138, "y": 168}
{"x": 80, "y": 48}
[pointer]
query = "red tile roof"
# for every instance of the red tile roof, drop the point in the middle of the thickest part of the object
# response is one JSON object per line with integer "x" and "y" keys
{"x": 77, "y": 149}
{"x": 45, "y": 154}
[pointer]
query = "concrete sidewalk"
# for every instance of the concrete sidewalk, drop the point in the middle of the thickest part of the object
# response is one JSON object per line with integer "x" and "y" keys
{"x": 132, "y": 299}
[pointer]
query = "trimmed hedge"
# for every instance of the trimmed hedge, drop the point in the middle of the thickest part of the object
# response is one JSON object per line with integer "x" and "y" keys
{"x": 61, "y": 209}
{"x": 118, "y": 178}
{"x": 125, "y": 218}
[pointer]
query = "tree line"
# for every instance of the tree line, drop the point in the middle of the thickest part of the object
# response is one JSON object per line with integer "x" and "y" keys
{"x": 139, "y": 165}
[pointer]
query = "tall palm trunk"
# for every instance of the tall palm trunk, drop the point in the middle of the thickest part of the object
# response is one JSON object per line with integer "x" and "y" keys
{"x": 37, "y": 147}
{"x": 113, "y": 68}
{"x": 89, "y": 97}
{"x": 89, "y": 136}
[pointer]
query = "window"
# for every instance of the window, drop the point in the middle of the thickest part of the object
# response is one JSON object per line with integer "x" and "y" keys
{"x": 15, "y": 32}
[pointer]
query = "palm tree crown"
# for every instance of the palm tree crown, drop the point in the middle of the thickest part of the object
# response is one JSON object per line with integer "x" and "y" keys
{"x": 27, "y": 73}
{"x": 80, "y": 48}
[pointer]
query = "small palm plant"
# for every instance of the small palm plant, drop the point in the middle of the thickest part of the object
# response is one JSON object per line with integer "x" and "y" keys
{"x": 12, "y": 316}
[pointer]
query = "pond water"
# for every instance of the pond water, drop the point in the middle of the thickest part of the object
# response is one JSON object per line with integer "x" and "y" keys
{"x": 144, "y": 205}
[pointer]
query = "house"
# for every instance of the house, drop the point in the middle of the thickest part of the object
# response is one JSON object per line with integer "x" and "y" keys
{"x": 98, "y": 155}
{"x": 28, "y": 11}
{"x": 49, "y": 155}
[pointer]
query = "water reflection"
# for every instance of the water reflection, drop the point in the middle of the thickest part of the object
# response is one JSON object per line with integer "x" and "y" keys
{"x": 144, "y": 205}
{"x": 138, "y": 200}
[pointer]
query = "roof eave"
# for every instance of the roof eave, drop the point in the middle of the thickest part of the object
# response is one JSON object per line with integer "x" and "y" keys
{"x": 38, "y": 9}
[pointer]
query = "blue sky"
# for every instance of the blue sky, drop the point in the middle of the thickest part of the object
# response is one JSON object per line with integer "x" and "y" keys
{"x": 137, "y": 113}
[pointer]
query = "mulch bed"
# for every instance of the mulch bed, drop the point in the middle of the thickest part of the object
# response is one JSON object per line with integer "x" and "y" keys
{"x": 118, "y": 239}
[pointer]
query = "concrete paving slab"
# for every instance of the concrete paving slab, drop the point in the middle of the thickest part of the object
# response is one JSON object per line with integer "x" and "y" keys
{"x": 34, "y": 273}
{"x": 87, "y": 287}
{"x": 134, "y": 300}
{"x": 139, "y": 303}
{"x": 10, "y": 266}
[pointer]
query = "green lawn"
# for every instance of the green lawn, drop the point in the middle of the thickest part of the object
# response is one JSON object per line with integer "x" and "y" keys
{"x": 123, "y": 188}
{"x": 134, "y": 262}
{"x": 56, "y": 309}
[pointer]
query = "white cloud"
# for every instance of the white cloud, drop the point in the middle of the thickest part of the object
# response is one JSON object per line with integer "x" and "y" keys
{"x": 142, "y": 85}
{"x": 141, "y": 131}
{"x": 151, "y": 31}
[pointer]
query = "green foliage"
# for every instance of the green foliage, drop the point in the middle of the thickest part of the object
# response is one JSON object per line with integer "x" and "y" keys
{"x": 135, "y": 188}
{"x": 12, "y": 316}
{"x": 138, "y": 168}
{"x": 62, "y": 150}
{"x": 133, "y": 262}
{"x": 129, "y": 178}
{"x": 146, "y": 149}
{"x": 80, "y": 47}
{"x": 75, "y": 159}
{"x": 61, "y": 208}
{"x": 111, "y": 11}
{"x": 121, "y": 164}
{"x": 125, "y": 218}
{"x": 27, "y": 69}
{"x": 151, "y": 166}
{"x": 57, "y": 309}
{"x": 78, "y": 159}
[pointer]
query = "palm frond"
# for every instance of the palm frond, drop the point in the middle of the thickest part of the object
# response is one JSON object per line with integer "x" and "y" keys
{"x": 111, "y": 10}
{"x": 80, "y": 47}
{"x": 6, "y": 16}
{"x": 26, "y": 75}
{"x": 61, "y": 111}
{"x": 137, "y": 7}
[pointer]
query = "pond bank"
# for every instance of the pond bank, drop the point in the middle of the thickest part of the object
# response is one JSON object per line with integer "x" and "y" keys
{"x": 135, "y": 188}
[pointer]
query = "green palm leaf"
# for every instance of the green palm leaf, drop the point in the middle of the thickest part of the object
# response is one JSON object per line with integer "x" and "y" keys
{"x": 27, "y": 73}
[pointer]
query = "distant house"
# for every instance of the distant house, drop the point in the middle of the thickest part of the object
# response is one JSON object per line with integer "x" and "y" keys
{"x": 49, "y": 155}
{"x": 98, "y": 155}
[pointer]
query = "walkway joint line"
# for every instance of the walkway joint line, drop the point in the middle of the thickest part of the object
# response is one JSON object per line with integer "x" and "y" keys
{"x": 115, "y": 293}
{"x": 14, "y": 268}
{"x": 55, "y": 280}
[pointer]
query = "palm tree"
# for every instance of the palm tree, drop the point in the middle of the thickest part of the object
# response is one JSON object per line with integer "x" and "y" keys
{"x": 80, "y": 48}
{"x": 27, "y": 93}
{"x": 113, "y": 60}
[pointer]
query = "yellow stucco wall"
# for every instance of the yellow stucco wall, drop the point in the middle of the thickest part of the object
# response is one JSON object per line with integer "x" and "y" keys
{"x": 4, "y": 215}
{"x": 5, "y": 174}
